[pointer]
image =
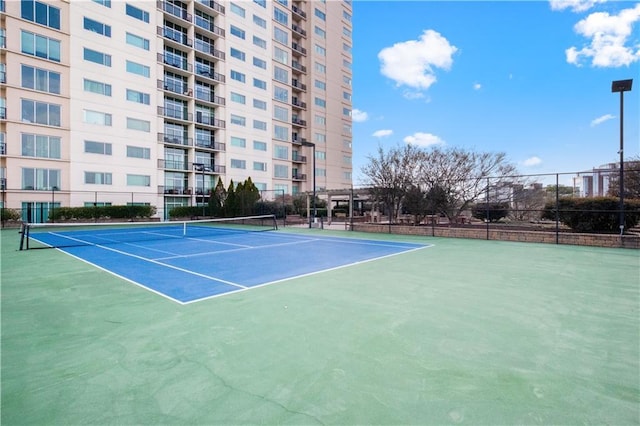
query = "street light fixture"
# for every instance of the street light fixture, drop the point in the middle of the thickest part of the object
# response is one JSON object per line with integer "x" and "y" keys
{"x": 199, "y": 167}
{"x": 621, "y": 86}
{"x": 312, "y": 145}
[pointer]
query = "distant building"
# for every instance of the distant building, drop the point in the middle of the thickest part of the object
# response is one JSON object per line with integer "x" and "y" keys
{"x": 595, "y": 183}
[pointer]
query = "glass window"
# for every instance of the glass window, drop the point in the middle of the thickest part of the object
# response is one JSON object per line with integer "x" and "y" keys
{"x": 238, "y": 120}
{"x": 257, "y": 103}
{"x": 97, "y": 117}
{"x": 238, "y": 98}
{"x": 238, "y": 54}
{"x": 259, "y": 21}
{"x": 259, "y": 146}
{"x": 97, "y": 57}
{"x": 257, "y": 41}
{"x": 138, "y": 152}
{"x": 40, "y": 79}
{"x": 105, "y": 3}
{"x": 97, "y": 87}
{"x": 320, "y": 14}
{"x": 141, "y": 125}
{"x": 260, "y": 84}
{"x": 281, "y": 152}
{"x": 238, "y": 164}
{"x": 40, "y": 13}
{"x": 260, "y": 166}
{"x": 281, "y": 94}
{"x": 280, "y": 16}
{"x": 281, "y": 171}
{"x": 97, "y": 27}
{"x": 320, "y": 32}
{"x": 320, "y": 85}
{"x": 237, "y": 9}
{"x": 280, "y": 55}
{"x": 40, "y": 113}
{"x": 41, "y": 146}
{"x": 238, "y": 32}
{"x": 93, "y": 147}
{"x": 136, "y": 68}
{"x": 137, "y": 41}
{"x": 280, "y": 113}
{"x": 136, "y": 13}
{"x": 262, "y": 3}
{"x": 281, "y": 75}
{"x": 259, "y": 125}
{"x": 281, "y": 36}
{"x": 40, "y": 46}
{"x": 320, "y": 102}
{"x": 138, "y": 180}
{"x": 40, "y": 179}
{"x": 239, "y": 142}
{"x": 281, "y": 133}
{"x": 260, "y": 63}
{"x": 138, "y": 97}
{"x": 320, "y": 50}
{"x": 238, "y": 76}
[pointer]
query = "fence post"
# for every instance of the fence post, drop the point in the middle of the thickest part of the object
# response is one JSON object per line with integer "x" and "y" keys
{"x": 487, "y": 209}
{"x": 557, "y": 209}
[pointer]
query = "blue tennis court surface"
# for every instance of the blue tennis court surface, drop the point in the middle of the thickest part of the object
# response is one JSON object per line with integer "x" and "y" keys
{"x": 187, "y": 269}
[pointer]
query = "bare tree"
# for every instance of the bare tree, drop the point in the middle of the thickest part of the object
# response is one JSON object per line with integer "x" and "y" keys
{"x": 631, "y": 180}
{"x": 391, "y": 174}
{"x": 462, "y": 175}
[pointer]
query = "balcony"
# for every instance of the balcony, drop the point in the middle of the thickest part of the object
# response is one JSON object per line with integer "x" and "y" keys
{"x": 212, "y": 5}
{"x": 296, "y": 83}
{"x": 299, "y": 12}
{"x": 3, "y": 184}
{"x": 299, "y": 176}
{"x": 3, "y": 77}
{"x": 175, "y": 113}
{"x": 173, "y": 164}
{"x": 297, "y": 29}
{"x": 174, "y": 10}
{"x": 3, "y": 148}
{"x": 209, "y": 26}
{"x": 297, "y": 158}
{"x": 298, "y": 122}
{"x": 298, "y": 66}
{"x": 174, "y": 190}
{"x": 296, "y": 47}
{"x": 297, "y": 140}
{"x": 175, "y": 87}
{"x": 175, "y": 140}
{"x": 175, "y": 61}
{"x": 173, "y": 35}
{"x": 3, "y": 113}
{"x": 209, "y": 120}
{"x": 298, "y": 103}
{"x": 203, "y": 71}
{"x": 210, "y": 144}
{"x": 207, "y": 167}
{"x": 208, "y": 96}
{"x": 209, "y": 49}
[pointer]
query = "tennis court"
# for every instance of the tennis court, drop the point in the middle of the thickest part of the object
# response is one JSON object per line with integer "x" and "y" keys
{"x": 430, "y": 331}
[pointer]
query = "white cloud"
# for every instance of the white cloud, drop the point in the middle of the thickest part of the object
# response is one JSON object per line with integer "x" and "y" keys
{"x": 609, "y": 35}
{"x": 359, "y": 116}
{"x": 477, "y": 86}
{"x": 413, "y": 63}
{"x": 532, "y": 161}
{"x": 423, "y": 139}
{"x": 382, "y": 133}
{"x": 574, "y": 5}
{"x": 411, "y": 95}
{"x": 601, "y": 119}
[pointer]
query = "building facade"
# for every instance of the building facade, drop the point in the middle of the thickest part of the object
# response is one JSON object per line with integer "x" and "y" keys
{"x": 110, "y": 102}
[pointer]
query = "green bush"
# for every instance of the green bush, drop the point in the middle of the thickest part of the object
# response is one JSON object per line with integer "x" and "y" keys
{"x": 101, "y": 212}
{"x": 598, "y": 214}
{"x": 188, "y": 211}
{"x": 9, "y": 214}
{"x": 493, "y": 211}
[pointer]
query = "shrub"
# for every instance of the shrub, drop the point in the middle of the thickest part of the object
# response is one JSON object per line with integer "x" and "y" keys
{"x": 187, "y": 211}
{"x": 493, "y": 211}
{"x": 598, "y": 214}
{"x": 9, "y": 214}
{"x": 101, "y": 212}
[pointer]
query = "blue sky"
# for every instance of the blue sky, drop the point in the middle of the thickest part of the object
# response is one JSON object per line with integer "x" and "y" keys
{"x": 531, "y": 79}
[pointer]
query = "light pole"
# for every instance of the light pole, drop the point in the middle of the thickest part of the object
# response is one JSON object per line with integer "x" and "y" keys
{"x": 199, "y": 167}
{"x": 621, "y": 86}
{"x": 312, "y": 145}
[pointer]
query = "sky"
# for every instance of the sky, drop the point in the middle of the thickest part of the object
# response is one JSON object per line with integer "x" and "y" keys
{"x": 531, "y": 79}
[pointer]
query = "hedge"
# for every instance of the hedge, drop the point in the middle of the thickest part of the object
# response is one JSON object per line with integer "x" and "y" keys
{"x": 101, "y": 212}
{"x": 598, "y": 214}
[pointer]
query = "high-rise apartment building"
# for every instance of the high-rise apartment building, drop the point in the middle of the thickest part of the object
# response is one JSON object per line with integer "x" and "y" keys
{"x": 109, "y": 102}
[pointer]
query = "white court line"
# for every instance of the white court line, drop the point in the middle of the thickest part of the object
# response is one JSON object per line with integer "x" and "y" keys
{"x": 308, "y": 274}
{"x": 164, "y": 264}
{"x": 234, "y": 250}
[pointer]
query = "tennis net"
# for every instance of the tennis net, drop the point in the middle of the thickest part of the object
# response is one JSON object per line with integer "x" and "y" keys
{"x": 58, "y": 235}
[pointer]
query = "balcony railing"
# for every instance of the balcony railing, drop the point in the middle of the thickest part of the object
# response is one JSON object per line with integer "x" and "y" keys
{"x": 295, "y": 120}
{"x": 299, "y": 30}
{"x": 208, "y": 48}
{"x": 3, "y": 113}
{"x": 298, "y": 66}
{"x": 177, "y": 113}
{"x": 175, "y": 87}
{"x": 209, "y": 26}
{"x": 298, "y": 103}
{"x": 212, "y": 5}
{"x": 299, "y": 12}
{"x": 175, "y": 61}
{"x": 210, "y": 144}
{"x": 297, "y": 158}
{"x": 209, "y": 120}
{"x": 204, "y": 71}
{"x": 298, "y": 176}
{"x": 3, "y": 148}
{"x": 208, "y": 96}
{"x": 177, "y": 36}
{"x": 173, "y": 164}
{"x": 175, "y": 140}
{"x": 174, "y": 10}
{"x": 174, "y": 190}
{"x": 3, "y": 184}
{"x": 296, "y": 83}
{"x": 295, "y": 46}
{"x": 3, "y": 77}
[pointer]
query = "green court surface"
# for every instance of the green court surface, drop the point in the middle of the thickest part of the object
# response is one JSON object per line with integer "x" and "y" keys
{"x": 464, "y": 332}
